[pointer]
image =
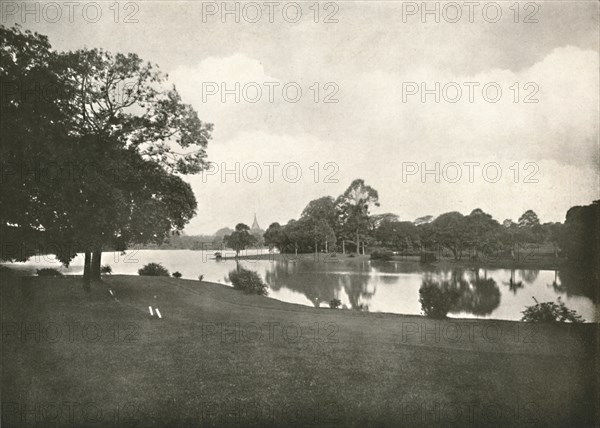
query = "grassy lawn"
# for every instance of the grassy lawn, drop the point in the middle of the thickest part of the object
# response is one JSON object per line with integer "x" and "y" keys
{"x": 222, "y": 358}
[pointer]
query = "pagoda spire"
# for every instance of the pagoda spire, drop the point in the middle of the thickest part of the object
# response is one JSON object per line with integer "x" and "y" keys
{"x": 255, "y": 225}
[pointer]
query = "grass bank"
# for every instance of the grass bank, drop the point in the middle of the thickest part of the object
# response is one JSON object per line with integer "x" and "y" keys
{"x": 222, "y": 358}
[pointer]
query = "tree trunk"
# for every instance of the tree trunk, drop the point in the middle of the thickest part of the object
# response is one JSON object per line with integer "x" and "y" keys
{"x": 343, "y": 246}
{"x": 357, "y": 243}
{"x": 95, "y": 265}
{"x": 87, "y": 266}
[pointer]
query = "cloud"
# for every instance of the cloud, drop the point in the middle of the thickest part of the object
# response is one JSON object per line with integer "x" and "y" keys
{"x": 562, "y": 125}
{"x": 370, "y": 132}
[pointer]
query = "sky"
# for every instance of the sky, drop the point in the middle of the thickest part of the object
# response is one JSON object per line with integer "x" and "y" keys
{"x": 494, "y": 106}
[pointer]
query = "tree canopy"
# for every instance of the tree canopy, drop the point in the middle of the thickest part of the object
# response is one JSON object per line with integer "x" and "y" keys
{"x": 117, "y": 139}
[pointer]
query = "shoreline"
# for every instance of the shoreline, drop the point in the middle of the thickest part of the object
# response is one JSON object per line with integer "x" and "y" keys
{"x": 378, "y": 314}
{"x": 543, "y": 263}
{"x": 546, "y": 264}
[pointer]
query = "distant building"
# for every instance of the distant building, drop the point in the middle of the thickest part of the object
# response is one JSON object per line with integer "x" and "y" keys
{"x": 255, "y": 225}
{"x": 257, "y": 231}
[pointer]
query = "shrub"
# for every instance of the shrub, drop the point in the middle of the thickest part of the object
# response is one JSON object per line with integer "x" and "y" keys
{"x": 153, "y": 269}
{"x": 550, "y": 312}
{"x": 428, "y": 257}
{"x": 437, "y": 298}
{"x": 383, "y": 255}
{"x": 106, "y": 269}
{"x": 177, "y": 275}
{"x": 248, "y": 281}
{"x": 335, "y": 303}
{"x": 49, "y": 272}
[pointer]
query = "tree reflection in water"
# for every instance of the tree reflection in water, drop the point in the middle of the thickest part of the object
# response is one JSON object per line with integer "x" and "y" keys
{"x": 529, "y": 275}
{"x": 477, "y": 296}
{"x": 354, "y": 282}
{"x": 514, "y": 285}
{"x": 322, "y": 282}
{"x": 576, "y": 282}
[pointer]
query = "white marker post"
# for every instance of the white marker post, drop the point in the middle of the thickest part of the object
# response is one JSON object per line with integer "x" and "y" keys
{"x": 158, "y": 313}
{"x": 150, "y": 309}
{"x": 111, "y": 293}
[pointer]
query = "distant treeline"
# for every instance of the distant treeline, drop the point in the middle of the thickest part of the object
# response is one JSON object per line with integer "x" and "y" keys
{"x": 344, "y": 224}
{"x": 192, "y": 242}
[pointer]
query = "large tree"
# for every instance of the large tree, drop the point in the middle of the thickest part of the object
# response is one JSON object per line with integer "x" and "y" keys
{"x": 239, "y": 239}
{"x": 115, "y": 113}
{"x": 529, "y": 228}
{"x": 353, "y": 210}
{"x": 580, "y": 238}
{"x": 322, "y": 218}
{"x": 123, "y": 105}
{"x": 321, "y": 209}
{"x": 35, "y": 129}
{"x": 450, "y": 231}
{"x": 399, "y": 235}
{"x": 482, "y": 232}
{"x": 275, "y": 237}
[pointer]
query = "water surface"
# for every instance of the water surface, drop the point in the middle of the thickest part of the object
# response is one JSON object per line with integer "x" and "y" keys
{"x": 365, "y": 285}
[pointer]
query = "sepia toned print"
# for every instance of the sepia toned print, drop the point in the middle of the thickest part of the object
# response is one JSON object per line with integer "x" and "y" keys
{"x": 298, "y": 214}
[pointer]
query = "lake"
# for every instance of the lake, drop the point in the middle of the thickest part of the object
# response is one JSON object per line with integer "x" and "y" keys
{"x": 364, "y": 285}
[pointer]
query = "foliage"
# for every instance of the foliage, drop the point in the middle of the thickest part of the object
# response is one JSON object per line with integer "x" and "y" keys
{"x": 223, "y": 232}
{"x": 423, "y": 220}
{"x": 437, "y": 298}
{"x": 240, "y": 239}
{"x": 529, "y": 219}
{"x": 153, "y": 269}
{"x": 335, "y": 303}
{"x": 427, "y": 257}
{"x": 450, "y": 231}
{"x": 550, "y": 312}
{"x": 529, "y": 228}
{"x": 274, "y": 237}
{"x": 580, "y": 237}
{"x": 177, "y": 275}
{"x": 477, "y": 234}
{"x": 398, "y": 235}
{"x": 49, "y": 272}
{"x": 111, "y": 107}
{"x": 383, "y": 255}
{"x": 353, "y": 210}
{"x": 32, "y": 130}
{"x": 321, "y": 210}
{"x": 479, "y": 296}
{"x": 248, "y": 281}
{"x": 106, "y": 269}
